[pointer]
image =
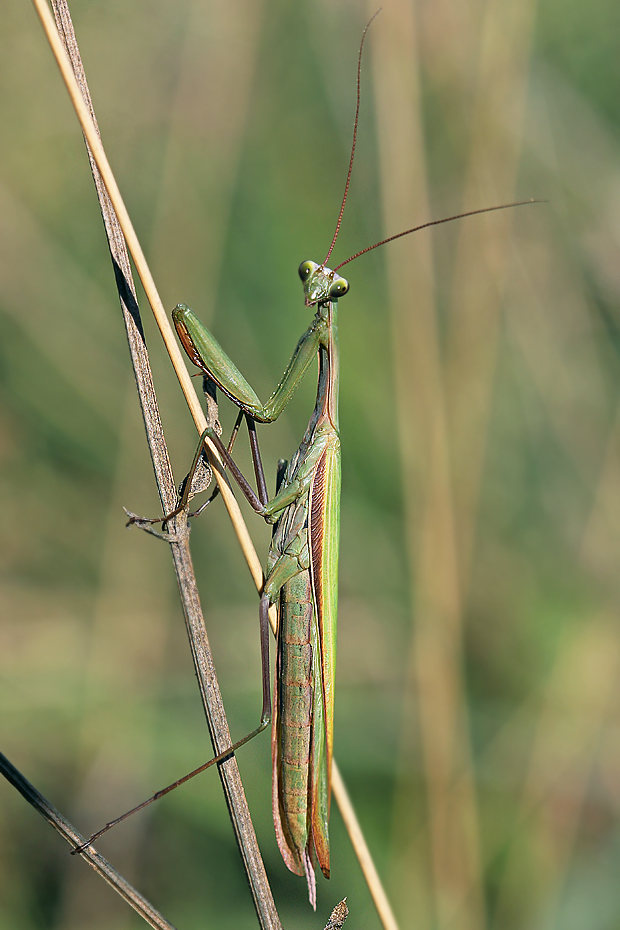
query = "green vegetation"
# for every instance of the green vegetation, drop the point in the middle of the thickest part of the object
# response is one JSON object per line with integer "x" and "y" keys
{"x": 479, "y": 644}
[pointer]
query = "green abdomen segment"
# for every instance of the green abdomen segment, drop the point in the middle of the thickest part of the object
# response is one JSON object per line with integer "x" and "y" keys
{"x": 292, "y": 731}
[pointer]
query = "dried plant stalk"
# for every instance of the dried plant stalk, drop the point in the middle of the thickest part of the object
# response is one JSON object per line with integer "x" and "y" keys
{"x": 110, "y": 197}
{"x": 100, "y": 865}
{"x": 179, "y": 545}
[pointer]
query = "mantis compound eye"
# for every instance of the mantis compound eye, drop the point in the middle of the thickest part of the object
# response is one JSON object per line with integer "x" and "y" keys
{"x": 339, "y": 287}
{"x": 306, "y": 269}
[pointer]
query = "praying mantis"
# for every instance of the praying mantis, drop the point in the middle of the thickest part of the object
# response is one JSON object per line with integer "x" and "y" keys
{"x": 302, "y": 566}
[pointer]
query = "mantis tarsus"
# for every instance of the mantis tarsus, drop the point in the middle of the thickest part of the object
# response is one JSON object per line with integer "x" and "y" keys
{"x": 302, "y": 566}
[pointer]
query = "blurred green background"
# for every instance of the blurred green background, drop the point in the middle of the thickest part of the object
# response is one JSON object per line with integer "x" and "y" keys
{"x": 479, "y": 652}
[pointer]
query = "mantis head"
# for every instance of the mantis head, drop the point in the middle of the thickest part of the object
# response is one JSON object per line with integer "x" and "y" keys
{"x": 321, "y": 283}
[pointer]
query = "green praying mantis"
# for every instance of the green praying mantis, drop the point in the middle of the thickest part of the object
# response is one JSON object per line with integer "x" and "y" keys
{"x": 302, "y": 565}
{"x": 302, "y": 570}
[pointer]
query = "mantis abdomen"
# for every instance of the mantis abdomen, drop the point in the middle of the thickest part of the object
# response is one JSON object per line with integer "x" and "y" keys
{"x": 292, "y": 728}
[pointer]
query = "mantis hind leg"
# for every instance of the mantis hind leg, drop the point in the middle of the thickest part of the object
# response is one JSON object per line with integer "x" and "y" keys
{"x": 284, "y": 569}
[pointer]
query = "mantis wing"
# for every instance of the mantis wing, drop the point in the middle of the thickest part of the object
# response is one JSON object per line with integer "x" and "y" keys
{"x": 324, "y": 532}
{"x": 302, "y": 736}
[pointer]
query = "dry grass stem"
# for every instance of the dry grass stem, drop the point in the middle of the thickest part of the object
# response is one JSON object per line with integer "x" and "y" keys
{"x": 90, "y": 855}
{"x": 338, "y": 916}
{"x": 89, "y": 128}
{"x": 362, "y": 852}
{"x": 205, "y": 671}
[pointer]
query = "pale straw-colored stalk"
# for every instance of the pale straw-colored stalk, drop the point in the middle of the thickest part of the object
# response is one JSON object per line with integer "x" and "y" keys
{"x": 135, "y": 249}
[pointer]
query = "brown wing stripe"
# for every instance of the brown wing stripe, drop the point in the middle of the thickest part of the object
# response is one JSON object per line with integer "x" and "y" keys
{"x": 317, "y": 529}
